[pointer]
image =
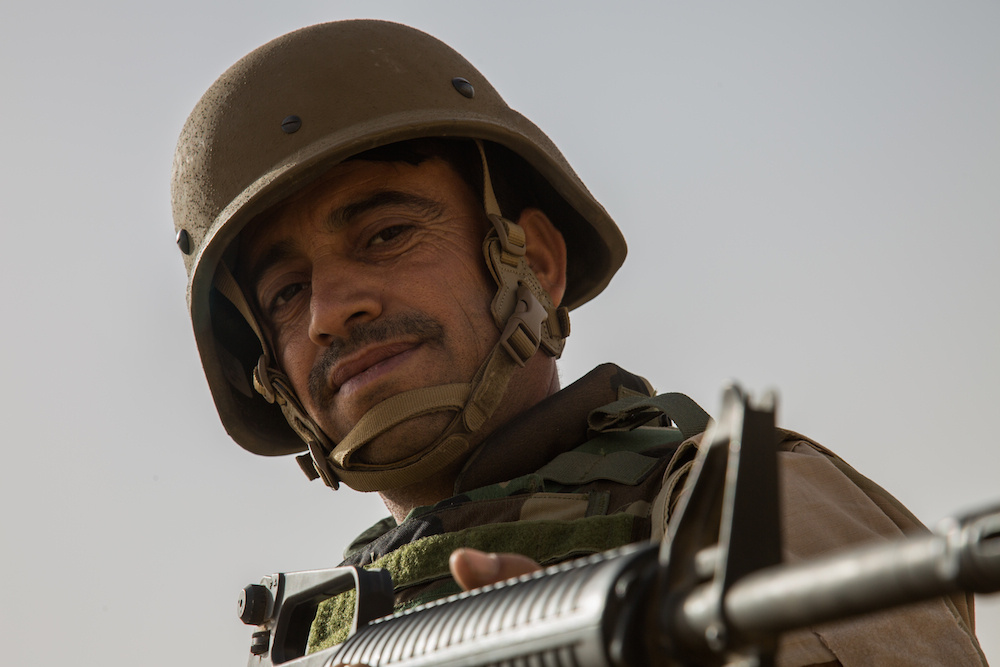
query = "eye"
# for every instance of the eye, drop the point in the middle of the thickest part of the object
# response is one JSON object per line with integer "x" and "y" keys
{"x": 285, "y": 295}
{"x": 387, "y": 234}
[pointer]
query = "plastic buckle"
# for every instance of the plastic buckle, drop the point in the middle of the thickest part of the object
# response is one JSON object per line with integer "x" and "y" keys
{"x": 523, "y": 333}
{"x": 511, "y": 235}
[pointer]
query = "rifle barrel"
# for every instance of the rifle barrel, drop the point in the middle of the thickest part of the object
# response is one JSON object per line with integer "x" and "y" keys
{"x": 964, "y": 555}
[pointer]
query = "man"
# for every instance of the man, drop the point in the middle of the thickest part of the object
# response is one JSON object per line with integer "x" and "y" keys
{"x": 382, "y": 258}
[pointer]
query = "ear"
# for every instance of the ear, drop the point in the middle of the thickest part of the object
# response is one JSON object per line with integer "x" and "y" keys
{"x": 545, "y": 252}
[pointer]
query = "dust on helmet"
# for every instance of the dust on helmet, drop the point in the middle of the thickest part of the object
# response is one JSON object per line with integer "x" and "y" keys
{"x": 289, "y": 111}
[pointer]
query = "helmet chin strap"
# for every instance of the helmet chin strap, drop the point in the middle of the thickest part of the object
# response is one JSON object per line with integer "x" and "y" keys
{"x": 522, "y": 311}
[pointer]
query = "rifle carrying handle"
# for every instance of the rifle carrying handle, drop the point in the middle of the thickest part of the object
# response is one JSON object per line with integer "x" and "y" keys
{"x": 283, "y": 606}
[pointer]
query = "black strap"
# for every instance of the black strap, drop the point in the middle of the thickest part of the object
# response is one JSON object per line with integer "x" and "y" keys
{"x": 634, "y": 411}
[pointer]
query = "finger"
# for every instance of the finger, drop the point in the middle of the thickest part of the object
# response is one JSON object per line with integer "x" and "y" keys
{"x": 472, "y": 568}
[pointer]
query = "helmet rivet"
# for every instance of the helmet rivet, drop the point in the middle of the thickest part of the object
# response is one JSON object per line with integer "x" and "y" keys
{"x": 463, "y": 86}
{"x": 291, "y": 124}
{"x": 184, "y": 241}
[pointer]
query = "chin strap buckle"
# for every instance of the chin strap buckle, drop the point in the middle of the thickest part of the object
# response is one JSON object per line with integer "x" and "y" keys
{"x": 275, "y": 387}
{"x": 523, "y": 333}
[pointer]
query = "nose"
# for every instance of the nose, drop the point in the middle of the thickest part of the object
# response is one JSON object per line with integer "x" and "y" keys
{"x": 342, "y": 297}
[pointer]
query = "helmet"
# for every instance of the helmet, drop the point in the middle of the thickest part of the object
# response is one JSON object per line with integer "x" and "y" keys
{"x": 302, "y": 103}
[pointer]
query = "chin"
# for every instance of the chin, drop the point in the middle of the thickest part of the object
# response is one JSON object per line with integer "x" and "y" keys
{"x": 405, "y": 440}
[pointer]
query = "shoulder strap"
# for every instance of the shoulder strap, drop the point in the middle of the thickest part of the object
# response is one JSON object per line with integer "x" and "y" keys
{"x": 633, "y": 411}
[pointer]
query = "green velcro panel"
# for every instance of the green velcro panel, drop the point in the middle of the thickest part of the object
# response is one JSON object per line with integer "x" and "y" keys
{"x": 426, "y": 560}
{"x": 576, "y": 468}
{"x": 633, "y": 411}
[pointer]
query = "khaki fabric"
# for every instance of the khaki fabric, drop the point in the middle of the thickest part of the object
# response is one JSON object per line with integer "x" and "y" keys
{"x": 823, "y": 509}
{"x": 826, "y": 505}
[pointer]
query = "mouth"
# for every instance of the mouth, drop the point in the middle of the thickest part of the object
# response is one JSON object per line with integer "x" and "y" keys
{"x": 358, "y": 370}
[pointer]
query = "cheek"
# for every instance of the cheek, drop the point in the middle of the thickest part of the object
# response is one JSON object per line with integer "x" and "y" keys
{"x": 296, "y": 355}
{"x": 473, "y": 297}
{"x": 455, "y": 289}
{"x": 455, "y": 269}
{"x": 469, "y": 266}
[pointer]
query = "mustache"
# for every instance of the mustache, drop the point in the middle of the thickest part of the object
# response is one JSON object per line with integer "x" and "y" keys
{"x": 383, "y": 330}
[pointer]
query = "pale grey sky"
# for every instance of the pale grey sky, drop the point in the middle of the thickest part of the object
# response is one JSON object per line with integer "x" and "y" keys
{"x": 811, "y": 195}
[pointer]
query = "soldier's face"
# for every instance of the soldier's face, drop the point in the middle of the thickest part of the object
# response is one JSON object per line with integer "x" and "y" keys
{"x": 371, "y": 282}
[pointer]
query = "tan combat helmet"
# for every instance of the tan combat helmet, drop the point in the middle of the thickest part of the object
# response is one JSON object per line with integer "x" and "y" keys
{"x": 278, "y": 119}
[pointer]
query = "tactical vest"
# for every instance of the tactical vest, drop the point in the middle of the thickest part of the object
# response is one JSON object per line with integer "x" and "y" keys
{"x": 597, "y": 496}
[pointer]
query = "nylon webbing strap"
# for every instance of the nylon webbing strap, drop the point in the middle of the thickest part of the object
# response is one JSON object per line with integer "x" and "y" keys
{"x": 487, "y": 388}
{"x": 396, "y": 410}
{"x": 229, "y": 288}
{"x": 490, "y": 386}
{"x": 634, "y": 411}
{"x": 489, "y": 197}
{"x": 361, "y": 477}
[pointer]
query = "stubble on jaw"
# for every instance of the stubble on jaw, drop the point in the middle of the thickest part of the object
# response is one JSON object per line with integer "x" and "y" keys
{"x": 383, "y": 330}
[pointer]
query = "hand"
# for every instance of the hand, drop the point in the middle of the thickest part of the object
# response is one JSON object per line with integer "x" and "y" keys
{"x": 474, "y": 569}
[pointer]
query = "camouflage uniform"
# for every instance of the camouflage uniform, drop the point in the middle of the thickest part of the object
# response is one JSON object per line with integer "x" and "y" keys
{"x": 558, "y": 499}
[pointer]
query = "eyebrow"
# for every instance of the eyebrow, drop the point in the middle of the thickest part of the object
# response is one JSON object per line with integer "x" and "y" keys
{"x": 276, "y": 253}
{"x": 341, "y": 218}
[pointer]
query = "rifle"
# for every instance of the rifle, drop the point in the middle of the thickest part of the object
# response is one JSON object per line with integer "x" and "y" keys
{"x": 714, "y": 592}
